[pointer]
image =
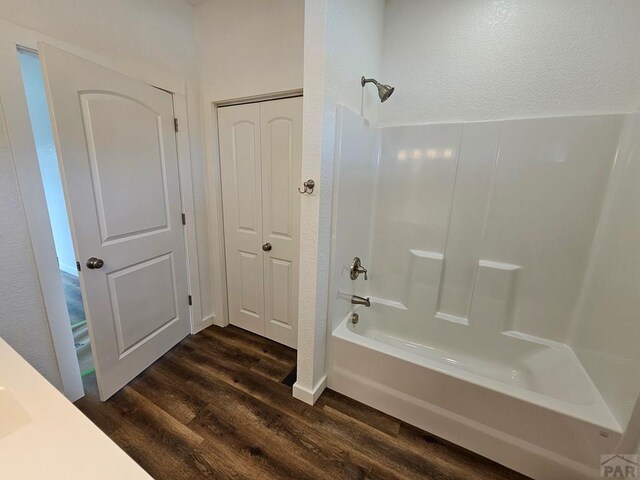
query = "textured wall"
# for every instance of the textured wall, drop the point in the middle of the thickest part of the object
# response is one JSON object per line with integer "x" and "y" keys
{"x": 158, "y": 34}
{"x": 23, "y": 323}
{"x": 475, "y": 60}
{"x": 343, "y": 40}
{"x": 250, "y": 47}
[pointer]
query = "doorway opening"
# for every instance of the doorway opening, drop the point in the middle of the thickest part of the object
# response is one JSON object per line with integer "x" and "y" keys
{"x": 54, "y": 194}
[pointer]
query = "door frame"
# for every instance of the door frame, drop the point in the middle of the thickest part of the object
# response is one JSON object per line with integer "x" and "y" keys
{"x": 29, "y": 179}
{"x": 214, "y": 190}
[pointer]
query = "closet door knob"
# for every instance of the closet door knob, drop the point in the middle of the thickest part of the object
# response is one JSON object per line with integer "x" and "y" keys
{"x": 266, "y": 247}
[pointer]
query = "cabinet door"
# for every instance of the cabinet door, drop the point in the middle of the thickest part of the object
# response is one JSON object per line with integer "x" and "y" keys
{"x": 239, "y": 129}
{"x": 281, "y": 147}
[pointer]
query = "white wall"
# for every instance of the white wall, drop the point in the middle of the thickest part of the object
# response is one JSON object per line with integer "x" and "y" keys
{"x": 23, "y": 322}
{"x": 141, "y": 35}
{"x": 249, "y": 47}
{"x": 477, "y": 60}
{"x": 343, "y": 40}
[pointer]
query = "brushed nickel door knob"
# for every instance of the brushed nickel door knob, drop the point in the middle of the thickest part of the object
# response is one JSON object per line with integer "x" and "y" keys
{"x": 94, "y": 262}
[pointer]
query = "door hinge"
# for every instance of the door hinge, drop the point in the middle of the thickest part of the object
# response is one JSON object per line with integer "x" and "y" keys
{"x": 175, "y": 124}
{"x": 184, "y": 218}
{"x": 78, "y": 266}
{"x": 190, "y": 300}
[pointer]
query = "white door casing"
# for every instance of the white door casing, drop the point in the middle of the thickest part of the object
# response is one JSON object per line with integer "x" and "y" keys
{"x": 260, "y": 154}
{"x": 117, "y": 148}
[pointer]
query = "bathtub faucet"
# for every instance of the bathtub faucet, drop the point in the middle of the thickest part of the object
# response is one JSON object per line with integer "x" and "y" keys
{"x": 356, "y": 300}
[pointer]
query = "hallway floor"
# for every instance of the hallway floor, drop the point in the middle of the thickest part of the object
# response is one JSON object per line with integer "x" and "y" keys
{"x": 214, "y": 407}
{"x": 79, "y": 327}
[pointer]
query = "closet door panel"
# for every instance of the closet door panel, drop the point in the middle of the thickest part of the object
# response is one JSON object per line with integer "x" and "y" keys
{"x": 239, "y": 129}
{"x": 281, "y": 149}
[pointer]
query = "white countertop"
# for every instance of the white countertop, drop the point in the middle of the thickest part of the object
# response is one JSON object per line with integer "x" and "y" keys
{"x": 43, "y": 436}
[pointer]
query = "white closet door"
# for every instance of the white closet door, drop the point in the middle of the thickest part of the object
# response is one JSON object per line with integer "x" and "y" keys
{"x": 260, "y": 154}
{"x": 281, "y": 134}
{"x": 239, "y": 129}
{"x": 117, "y": 146}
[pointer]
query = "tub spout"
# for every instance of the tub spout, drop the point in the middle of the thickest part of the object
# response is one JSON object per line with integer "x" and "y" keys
{"x": 356, "y": 300}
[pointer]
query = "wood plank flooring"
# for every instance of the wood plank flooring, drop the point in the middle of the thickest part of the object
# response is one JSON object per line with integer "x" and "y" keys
{"x": 214, "y": 407}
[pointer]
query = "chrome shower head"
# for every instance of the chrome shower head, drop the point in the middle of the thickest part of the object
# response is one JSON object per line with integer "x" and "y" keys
{"x": 384, "y": 91}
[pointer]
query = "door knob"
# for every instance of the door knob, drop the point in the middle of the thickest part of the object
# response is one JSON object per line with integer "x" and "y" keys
{"x": 266, "y": 247}
{"x": 94, "y": 262}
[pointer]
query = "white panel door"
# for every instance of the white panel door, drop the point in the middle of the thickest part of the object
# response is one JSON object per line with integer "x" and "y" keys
{"x": 239, "y": 129}
{"x": 260, "y": 153}
{"x": 117, "y": 148}
{"x": 281, "y": 148}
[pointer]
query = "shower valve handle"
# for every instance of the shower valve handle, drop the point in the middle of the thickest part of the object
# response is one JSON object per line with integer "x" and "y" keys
{"x": 356, "y": 269}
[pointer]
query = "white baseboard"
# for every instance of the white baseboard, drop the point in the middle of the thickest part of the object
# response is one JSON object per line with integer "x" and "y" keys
{"x": 202, "y": 324}
{"x": 220, "y": 321}
{"x": 309, "y": 396}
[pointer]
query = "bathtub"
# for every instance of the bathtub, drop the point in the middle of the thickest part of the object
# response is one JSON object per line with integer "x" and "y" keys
{"x": 521, "y": 401}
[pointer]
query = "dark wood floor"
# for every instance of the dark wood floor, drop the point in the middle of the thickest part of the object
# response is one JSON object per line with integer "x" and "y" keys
{"x": 214, "y": 407}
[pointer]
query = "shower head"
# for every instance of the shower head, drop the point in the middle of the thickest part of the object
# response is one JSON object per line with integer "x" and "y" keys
{"x": 384, "y": 91}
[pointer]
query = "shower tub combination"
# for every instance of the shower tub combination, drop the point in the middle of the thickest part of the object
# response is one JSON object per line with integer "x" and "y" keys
{"x": 503, "y": 269}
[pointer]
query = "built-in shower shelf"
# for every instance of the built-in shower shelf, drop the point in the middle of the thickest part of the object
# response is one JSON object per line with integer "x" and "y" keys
{"x": 452, "y": 318}
{"x": 427, "y": 254}
{"x": 510, "y": 267}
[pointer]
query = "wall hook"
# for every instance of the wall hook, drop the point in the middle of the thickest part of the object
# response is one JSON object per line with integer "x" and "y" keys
{"x": 309, "y": 185}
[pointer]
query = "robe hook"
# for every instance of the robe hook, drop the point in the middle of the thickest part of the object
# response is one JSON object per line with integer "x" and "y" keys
{"x": 309, "y": 185}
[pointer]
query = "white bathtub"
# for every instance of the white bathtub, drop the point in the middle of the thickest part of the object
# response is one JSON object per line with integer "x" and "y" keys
{"x": 524, "y": 403}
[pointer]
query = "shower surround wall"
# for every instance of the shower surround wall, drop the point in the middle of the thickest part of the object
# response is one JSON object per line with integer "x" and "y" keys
{"x": 528, "y": 196}
{"x": 486, "y": 242}
{"x": 356, "y": 161}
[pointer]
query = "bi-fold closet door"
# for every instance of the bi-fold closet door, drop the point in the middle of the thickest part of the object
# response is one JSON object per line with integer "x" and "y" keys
{"x": 260, "y": 155}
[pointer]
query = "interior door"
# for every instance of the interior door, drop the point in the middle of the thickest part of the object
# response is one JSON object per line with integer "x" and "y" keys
{"x": 239, "y": 129}
{"x": 117, "y": 148}
{"x": 281, "y": 148}
{"x": 260, "y": 154}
